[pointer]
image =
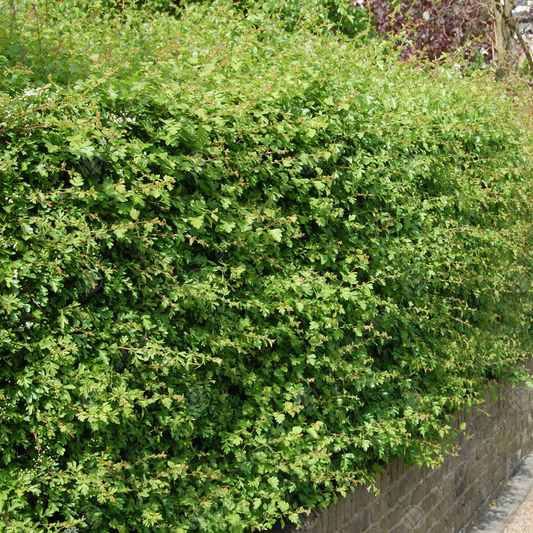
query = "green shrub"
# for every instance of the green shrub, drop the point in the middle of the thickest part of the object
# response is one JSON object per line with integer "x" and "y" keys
{"x": 242, "y": 268}
{"x": 338, "y": 16}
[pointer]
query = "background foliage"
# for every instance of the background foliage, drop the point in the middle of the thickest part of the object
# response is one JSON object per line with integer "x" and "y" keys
{"x": 437, "y": 28}
{"x": 242, "y": 267}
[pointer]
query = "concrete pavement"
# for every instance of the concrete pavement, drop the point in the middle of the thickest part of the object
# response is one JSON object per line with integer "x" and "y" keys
{"x": 512, "y": 511}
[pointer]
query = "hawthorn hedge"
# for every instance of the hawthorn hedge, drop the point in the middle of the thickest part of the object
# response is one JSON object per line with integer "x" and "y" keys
{"x": 242, "y": 268}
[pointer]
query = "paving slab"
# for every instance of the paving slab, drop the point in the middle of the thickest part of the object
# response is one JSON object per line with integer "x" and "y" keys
{"x": 512, "y": 511}
{"x": 522, "y": 520}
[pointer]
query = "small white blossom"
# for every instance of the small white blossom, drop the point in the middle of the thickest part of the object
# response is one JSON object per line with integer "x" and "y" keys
{"x": 32, "y": 92}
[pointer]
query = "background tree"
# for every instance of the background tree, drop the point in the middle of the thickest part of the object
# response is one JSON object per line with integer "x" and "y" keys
{"x": 437, "y": 27}
{"x": 504, "y": 39}
{"x": 485, "y": 30}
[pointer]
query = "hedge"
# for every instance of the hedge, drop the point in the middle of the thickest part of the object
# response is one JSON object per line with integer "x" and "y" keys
{"x": 242, "y": 268}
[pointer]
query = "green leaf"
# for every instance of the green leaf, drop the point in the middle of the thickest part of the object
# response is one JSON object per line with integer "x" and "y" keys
{"x": 76, "y": 181}
{"x": 276, "y": 234}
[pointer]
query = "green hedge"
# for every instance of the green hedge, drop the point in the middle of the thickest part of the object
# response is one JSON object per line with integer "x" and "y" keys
{"x": 242, "y": 268}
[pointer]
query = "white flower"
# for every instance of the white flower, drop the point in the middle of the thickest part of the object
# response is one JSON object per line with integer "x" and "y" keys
{"x": 28, "y": 324}
{"x": 32, "y": 92}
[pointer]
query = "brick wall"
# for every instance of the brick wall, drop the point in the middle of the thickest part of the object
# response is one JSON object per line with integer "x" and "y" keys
{"x": 449, "y": 499}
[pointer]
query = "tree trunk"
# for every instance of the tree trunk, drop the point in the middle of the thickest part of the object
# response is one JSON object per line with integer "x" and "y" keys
{"x": 506, "y": 56}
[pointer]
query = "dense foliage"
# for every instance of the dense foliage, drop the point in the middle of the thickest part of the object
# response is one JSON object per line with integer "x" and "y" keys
{"x": 241, "y": 267}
